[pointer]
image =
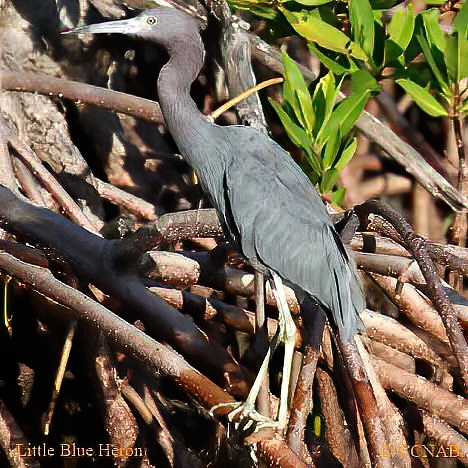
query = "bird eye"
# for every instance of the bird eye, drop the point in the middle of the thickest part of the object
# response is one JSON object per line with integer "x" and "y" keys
{"x": 151, "y": 20}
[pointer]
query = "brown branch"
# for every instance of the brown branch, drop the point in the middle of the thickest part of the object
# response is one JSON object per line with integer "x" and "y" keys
{"x": 302, "y": 402}
{"x": 447, "y": 437}
{"x": 390, "y": 332}
{"x": 337, "y": 432}
{"x": 367, "y": 404}
{"x": 118, "y": 419}
{"x": 418, "y": 247}
{"x": 67, "y": 204}
{"x": 277, "y": 454}
{"x": 168, "y": 438}
{"x": 403, "y": 268}
{"x": 451, "y": 256}
{"x": 388, "y": 354}
{"x": 13, "y": 441}
{"x": 435, "y": 400}
{"x": 200, "y": 307}
{"x": 392, "y": 420}
{"x": 412, "y": 304}
{"x": 140, "y": 208}
{"x": 81, "y": 93}
{"x": 102, "y": 262}
{"x": 155, "y": 357}
{"x": 370, "y": 242}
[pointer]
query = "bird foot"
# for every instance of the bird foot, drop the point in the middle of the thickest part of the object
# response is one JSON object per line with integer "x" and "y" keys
{"x": 244, "y": 418}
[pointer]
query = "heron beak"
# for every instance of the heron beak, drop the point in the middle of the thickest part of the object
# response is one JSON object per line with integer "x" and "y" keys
{"x": 126, "y": 26}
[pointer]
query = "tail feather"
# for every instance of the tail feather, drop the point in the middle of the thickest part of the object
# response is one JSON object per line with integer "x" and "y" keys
{"x": 347, "y": 297}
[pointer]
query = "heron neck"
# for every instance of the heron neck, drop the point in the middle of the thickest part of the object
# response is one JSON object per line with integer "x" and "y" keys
{"x": 186, "y": 123}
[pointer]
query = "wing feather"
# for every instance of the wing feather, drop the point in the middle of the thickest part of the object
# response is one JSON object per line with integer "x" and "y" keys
{"x": 284, "y": 227}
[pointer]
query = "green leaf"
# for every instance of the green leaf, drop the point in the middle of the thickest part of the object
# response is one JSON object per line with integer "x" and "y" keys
{"x": 329, "y": 180}
{"x": 423, "y": 98}
{"x": 457, "y": 47}
{"x": 348, "y": 111}
{"x": 312, "y": 3}
{"x": 362, "y": 25}
{"x": 314, "y": 162}
{"x": 453, "y": 58}
{"x": 331, "y": 64}
{"x": 307, "y": 117}
{"x": 338, "y": 195}
{"x": 324, "y": 99}
{"x": 431, "y": 62}
{"x": 401, "y": 27}
{"x": 297, "y": 94}
{"x": 315, "y": 29}
{"x": 344, "y": 115}
{"x": 460, "y": 23}
{"x": 363, "y": 82}
{"x": 332, "y": 145}
{"x": 434, "y": 33}
{"x": 346, "y": 154}
{"x": 358, "y": 53}
{"x": 297, "y": 134}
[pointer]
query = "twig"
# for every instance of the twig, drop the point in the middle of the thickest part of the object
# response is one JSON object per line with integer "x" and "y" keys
{"x": 232, "y": 102}
{"x": 459, "y": 228}
{"x": 68, "y": 205}
{"x": 60, "y": 373}
{"x": 135, "y": 205}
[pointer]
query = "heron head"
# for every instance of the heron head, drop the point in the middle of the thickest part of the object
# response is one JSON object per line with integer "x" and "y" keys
{"x": 161, "y": 25}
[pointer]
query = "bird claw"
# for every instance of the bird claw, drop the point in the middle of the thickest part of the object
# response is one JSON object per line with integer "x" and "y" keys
{"x": 245, "y": 419}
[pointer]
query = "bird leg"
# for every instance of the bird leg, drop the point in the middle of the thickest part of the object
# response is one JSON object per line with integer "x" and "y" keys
{"x": 287, "y": 332}
{"x": 246, "y": 410}
{"x": 261, "y": 333}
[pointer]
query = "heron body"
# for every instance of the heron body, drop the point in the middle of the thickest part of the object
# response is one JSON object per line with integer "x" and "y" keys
{"x": 266, "y": 204}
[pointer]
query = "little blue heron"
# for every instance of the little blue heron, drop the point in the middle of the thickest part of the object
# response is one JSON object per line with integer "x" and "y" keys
{"x": 267, "y": 206}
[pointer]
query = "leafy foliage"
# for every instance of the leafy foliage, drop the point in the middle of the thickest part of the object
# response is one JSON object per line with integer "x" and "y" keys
{"x": 319, "y": 124}
{"x": 363, "y": 41}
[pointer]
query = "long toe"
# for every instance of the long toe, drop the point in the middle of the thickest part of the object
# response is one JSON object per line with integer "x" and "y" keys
{"x": 247, "y": 420}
